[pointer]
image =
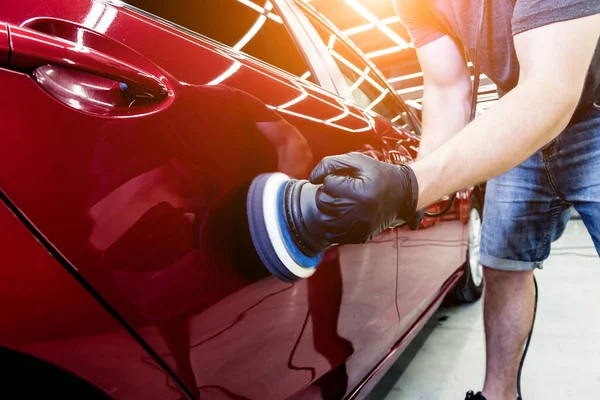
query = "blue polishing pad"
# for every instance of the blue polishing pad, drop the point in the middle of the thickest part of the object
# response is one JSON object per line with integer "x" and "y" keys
{"x": 270, "y": 233}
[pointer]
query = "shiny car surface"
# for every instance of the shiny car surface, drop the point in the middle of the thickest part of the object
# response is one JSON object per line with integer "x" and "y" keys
{"x": 130, "y": 134}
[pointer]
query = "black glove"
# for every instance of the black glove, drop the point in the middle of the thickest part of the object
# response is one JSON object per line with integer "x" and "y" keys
{"x": 361, "y": 197}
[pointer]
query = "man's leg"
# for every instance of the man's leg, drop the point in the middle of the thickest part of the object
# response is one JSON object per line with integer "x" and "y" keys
{"x": 508, "y": 313}
{"x": 576, "y": 167}
{"x": 523, "y": 214}
{"x": 590, "y": 215}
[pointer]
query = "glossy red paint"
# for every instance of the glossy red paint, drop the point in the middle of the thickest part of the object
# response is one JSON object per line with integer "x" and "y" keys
{"x": 369, "y": 381}
{"x": 47, "y": 314}
{"x": 149, "y": 210}
{"x": 73, "y": 45}
{"x": 86, "y": 70}
{"x": 4, "y": 44}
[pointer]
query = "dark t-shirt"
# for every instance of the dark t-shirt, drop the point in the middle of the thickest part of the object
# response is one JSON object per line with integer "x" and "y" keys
{"x": 428, "y": 20}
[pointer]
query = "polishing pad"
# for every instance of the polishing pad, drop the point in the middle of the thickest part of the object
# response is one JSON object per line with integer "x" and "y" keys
{"x": 271, "y": 232}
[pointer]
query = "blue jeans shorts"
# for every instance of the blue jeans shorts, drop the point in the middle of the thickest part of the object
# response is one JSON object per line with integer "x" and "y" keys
{"x": 528, "y": 207}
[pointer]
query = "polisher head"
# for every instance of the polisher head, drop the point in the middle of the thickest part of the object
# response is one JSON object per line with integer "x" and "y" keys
{"x": 271, "y": 228}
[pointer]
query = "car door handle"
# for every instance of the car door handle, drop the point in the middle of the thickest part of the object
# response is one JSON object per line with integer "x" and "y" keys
{"x": 62, "y": 43}
{"x": 4, "y": 43}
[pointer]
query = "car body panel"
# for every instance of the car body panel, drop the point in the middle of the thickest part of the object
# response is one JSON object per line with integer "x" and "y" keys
{"x": 148, "y": 208}
{"x": 146, "y": 204}
{"x": 49, "y": 315}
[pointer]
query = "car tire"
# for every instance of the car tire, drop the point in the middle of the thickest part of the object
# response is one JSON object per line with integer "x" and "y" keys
{"x": 470, "y": 287}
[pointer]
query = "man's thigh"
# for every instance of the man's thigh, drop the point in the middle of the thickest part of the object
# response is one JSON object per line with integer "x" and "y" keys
{"x": 523, "y": 214}
{"x": 577, "y": 169}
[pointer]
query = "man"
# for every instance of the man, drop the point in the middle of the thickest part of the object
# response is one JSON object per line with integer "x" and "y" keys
{"x": 539, "y": 147}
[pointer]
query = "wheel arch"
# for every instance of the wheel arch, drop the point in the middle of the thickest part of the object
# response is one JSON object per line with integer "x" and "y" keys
{"x": 30, "y": 377}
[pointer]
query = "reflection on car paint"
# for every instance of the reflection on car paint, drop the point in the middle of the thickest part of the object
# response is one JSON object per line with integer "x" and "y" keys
{"x": 150, "y": 210}
{"x": 49, "y": 315}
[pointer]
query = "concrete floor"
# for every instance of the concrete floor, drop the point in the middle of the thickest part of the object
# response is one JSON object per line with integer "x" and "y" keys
{"x": 447, "y": 358}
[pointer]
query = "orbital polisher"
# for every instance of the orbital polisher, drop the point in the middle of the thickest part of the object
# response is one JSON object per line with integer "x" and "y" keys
{"x": 284, "y": 225}
{"x": 290, "y": 233}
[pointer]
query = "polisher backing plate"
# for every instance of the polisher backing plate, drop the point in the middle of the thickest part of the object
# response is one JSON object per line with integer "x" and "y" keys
{"x": 263, "y": 207}
{"x": 291, "y": 246}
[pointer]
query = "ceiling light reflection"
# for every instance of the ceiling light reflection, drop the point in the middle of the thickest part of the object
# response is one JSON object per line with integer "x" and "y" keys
{"x": 383, "y": 52}
{"x": 405, "y": 77}
{"x": 107, "y": 19}
{"x": 366, "y": 27}
{"x": 339, "y": 117}
{"x": 359, "y": 8}
{"x": 414, "y": 104}
{"x": 322, "y": 121}
{"x": 356, "y": 69}
{"x": 250, "y": 34}
{"x": 296, "y": 100}
{"x": 361, "y": 79}
{"x": 93, "y": 15}
{"x": 266, "y": 10}
{"x": 230, "y": 71}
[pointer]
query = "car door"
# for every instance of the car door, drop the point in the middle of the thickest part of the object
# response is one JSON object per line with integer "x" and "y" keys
{"x": 427, "y": 258}
{"x": 56, "y": 339}
{"x": 130, "y": 142}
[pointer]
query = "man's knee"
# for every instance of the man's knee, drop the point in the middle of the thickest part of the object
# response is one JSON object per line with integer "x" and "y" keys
{"x": 496, "y": 277}
{"x": 507, "y": 292}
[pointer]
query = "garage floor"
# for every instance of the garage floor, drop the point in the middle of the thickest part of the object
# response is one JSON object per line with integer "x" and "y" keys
{"x": 447, "y": 358}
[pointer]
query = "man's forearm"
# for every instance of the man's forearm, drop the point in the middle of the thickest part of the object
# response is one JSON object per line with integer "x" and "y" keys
{"x": 518, "y": 125}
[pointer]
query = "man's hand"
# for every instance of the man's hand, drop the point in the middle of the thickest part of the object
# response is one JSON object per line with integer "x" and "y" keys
{"x": 361, "y": 197}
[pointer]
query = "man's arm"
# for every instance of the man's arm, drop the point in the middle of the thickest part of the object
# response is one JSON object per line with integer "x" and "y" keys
{"x": 446, "y": 94}
{"x": 554, "y": 61}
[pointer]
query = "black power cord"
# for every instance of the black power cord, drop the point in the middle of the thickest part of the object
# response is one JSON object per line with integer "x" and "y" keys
{"x": 445, "y": 210}
{"x": 528, "y": 342}
{"x": 535, "y": 304}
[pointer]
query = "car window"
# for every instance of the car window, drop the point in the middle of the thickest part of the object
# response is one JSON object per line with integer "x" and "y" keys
{"x": 251, "y": 26}
{"x": 368, "y": 90}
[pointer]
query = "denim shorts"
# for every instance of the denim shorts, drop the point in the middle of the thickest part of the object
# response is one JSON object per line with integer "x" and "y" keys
{"x": 528, "y": 207}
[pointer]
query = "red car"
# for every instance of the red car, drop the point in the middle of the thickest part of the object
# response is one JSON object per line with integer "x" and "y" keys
{"x": 130, "y": 134}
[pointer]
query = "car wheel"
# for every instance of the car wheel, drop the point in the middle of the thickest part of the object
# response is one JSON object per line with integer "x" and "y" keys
{"x": 470, "y": 287}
